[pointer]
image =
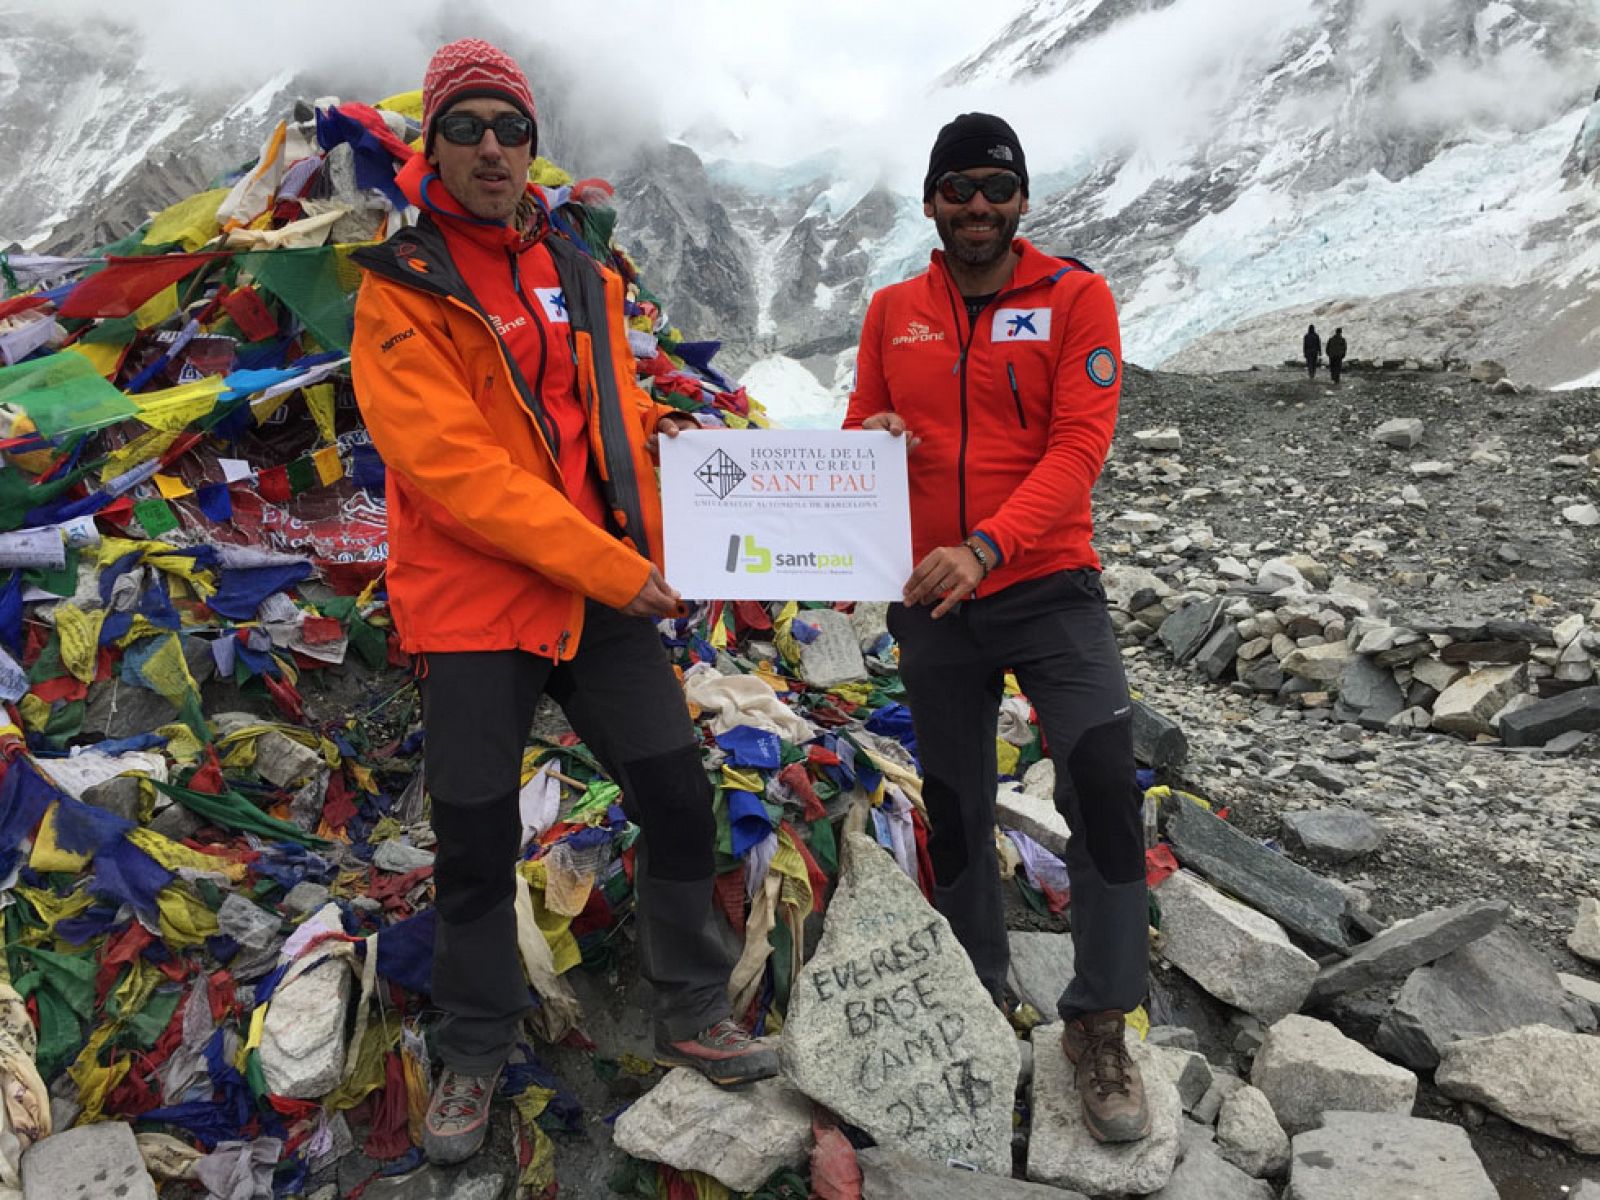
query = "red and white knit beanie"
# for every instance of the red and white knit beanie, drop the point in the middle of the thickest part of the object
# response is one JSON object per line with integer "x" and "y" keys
{"x": 472, "y": 67}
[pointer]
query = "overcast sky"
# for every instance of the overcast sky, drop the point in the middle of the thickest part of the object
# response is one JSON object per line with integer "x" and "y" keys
{"x": 792, "y": 77}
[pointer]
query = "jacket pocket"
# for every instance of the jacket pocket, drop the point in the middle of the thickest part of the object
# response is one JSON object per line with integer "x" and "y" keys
{"x": 1016, "y": 395}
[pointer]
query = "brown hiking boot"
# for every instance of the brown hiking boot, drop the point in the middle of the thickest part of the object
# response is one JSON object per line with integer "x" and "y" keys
{"x": 725, "y": 1054}
{"x": 1114, "y": 1104}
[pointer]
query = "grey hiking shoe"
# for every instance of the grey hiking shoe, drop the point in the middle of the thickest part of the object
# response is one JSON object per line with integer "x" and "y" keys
{"x": 725, "y": 1054}
{"x": 458, "y": 1116}
{"x": 1109, "y": 1084}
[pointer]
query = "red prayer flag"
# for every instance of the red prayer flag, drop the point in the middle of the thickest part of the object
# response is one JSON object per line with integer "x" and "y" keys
{"x": 126, "y": 283}
{"x": 274, "y": 484}
{"x": 250, "y": 314}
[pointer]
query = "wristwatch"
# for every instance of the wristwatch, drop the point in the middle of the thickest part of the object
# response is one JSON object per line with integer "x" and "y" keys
{"x": 979, "y": 552}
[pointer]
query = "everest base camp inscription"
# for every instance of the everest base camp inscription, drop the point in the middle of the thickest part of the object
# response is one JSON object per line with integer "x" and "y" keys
{"x": 889, "y": 1026}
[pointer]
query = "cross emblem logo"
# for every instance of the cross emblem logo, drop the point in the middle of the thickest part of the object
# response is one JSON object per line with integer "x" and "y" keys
{"x": 719, "y": 475}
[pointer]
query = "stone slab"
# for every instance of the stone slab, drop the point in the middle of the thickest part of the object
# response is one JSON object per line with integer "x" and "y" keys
{"x": 834, "y": 657}
{"x": 1158, "y": 740}
{"x": 1033, "y": 814}
{"x": 1403, "y": 948}
{"x": 303, "y": 1042}
{"x": 1584, "y": 940}
{"x": 1204, "y": 1175}
{"x": 1541, "y": 1078}
{"x": 1364, "y": 1156}
{"x": 1489, "y": 986}
{"x": 1061, "y": 1151}
{"x": 1468, "y": 704}
{"x": 1334, "y": 834}
{"x": 91, "y": 1162}
{"x": 1277, "y": 886}
{"x": 890, "y": 1175}
{"x": 1585, "y": 991}
{"x": 1233, "y": 952}
{"x": 739, "y": 1138}
{"x": 1543, "y": 720}
{"x": 1306, "y": 1067}
{"x": 1249, "y": 1135}
{"x": 889, "y": 1027}
{"x": 1185, "y": 631}
{"x": 1042, "y": 965}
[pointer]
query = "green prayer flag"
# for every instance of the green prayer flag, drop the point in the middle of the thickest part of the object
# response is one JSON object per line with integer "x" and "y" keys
{"x": 155, "y": 516}
{"x": 63, "y": 393}
{"x": 235, "y": 812}
{"x": 302, "y": 475}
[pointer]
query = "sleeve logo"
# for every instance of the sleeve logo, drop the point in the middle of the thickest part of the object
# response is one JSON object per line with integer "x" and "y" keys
{"x": 1021, "y": 325}
{"x": 1102, "y": 367}
{"x": 554, "y": 302}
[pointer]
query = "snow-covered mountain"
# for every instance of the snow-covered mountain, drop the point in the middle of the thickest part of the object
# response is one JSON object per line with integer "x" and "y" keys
{"x": 1422, "y": 172}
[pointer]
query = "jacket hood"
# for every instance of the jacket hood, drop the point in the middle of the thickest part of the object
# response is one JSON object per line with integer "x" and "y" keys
{"x": 422, "y": 186}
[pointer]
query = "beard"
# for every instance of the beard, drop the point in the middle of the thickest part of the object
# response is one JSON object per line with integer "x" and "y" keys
{"x": 949, "y": 229}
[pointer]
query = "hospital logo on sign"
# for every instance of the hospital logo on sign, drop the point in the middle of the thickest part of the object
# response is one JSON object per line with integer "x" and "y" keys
{"x": 1021, "y": 325}
{"x": 554, "y": 302}
{"x": 719, "y": 475}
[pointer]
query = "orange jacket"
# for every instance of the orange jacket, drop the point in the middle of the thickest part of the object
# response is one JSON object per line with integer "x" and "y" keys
{"x": 1015, "y": 413}
{"x": 487, "y": 550}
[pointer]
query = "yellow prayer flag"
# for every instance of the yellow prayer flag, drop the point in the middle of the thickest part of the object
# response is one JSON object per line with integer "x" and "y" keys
{"x": 319, "y": 399}
{"x": 158, "y": 308}
{"x": 1006, "y": 756}
{"x": 407, "y": 104}
{"x": 330, "y": 468}
{"x": 185, "y": 919}
{"x": 79, "y": 633}
{"x": 193, "y": 222}
{"x": 47, "y": 854}
{"x": 176, "y": 408}
{"x": 172, "y": 488}
{"x": 142, "y": 449}
{"x": 104, "y": 355}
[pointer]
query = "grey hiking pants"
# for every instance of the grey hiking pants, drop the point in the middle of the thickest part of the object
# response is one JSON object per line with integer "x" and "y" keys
{"x": 1054, "y": 632}
{"x": 622, "y": 699}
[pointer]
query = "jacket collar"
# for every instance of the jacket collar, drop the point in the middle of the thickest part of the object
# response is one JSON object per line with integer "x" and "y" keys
{"x": 1035, "y": 266}
{"x": 421, "y": 185}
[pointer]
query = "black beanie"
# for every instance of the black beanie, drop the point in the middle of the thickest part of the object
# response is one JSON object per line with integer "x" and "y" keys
{"x": 974, "y": 140}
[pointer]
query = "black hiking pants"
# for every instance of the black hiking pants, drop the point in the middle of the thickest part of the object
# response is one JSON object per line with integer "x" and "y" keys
{"x": 1055, "y": 633}
{"x": 623, "y": 700}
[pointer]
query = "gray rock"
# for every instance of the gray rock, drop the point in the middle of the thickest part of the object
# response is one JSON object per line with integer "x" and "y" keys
{"x": 305, "y": 897}
{"x": 889, "y": 1027}
{"x": 303, "y": 1043}
{"x": 284, "y": 762}
{"x": 1584, "y": 991}
{"x": 890, "y": 1175}
{"x": 1370, "y": 691}
{"x": 87, "y": 1163}
{"x": 1249, "y": 1135}
{"x": 1544, "y": 720}
{"x": 1158, "y": 741}
{"x": 1584, "y": 940}
{"x": 1334, "y": 834}
{"x": 1132, "y": 588}
{"x": 1203, "y": 1175}
{"x": 737, "y": 1137}
{"x": 1587, "y": 1190}
{"x": 1233, "y": 952}
{"x": 248, "y": 923}
{"x": 1307, "y": 1067}
{"x": 483, "y": 1177}
{"x": 119, "y": 795}
{"x": 176, "y": 822}
{"x": 1489, "y": 986}
{"x": 1402, "y": 433}
{"x": 1176, "y": 1036}
{"x": 1278, "y": 886}
{"x": 1061, "y": 1151}
{"x": 1189, "y": 1071}
{"x": 1185, "y": 631}
{"x": 1223, "y": 1085}
{"x": 1541, "y": 1078}
{"x": 870, "y": 620}
{"x": 117, "y": 709}
{"x": 1033, "y": 814}
{"x": 1363, "y": 1156}
{"x": 1468, "y": 705}
{"x": 1215, "y": 658}
{"x": 1262, "y": 675}
{"x": 1041, "y": 968}
{"x": 400, "y": 857}
{"x": 835, "y": 656}
{"x": 1319, "y": 664}
{"x": 1404, "y": 947}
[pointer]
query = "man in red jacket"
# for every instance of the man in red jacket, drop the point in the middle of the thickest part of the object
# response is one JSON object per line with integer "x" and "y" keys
{"x": 1002, "y": 366}
{"x": 491, "y": 363}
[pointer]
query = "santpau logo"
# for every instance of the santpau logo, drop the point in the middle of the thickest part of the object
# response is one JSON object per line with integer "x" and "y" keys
{"x": 750, "y": 556}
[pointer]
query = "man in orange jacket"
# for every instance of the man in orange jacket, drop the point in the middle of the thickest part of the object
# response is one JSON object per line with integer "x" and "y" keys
{"x": 1003, "y": 365}
{"x": 491, "y": 363}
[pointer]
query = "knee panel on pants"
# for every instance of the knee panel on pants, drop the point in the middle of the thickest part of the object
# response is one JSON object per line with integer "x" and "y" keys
{"x": 670, "y": 798}
{"x": 947, "y": 832}
{"x": 475, "y": 857}
{"x": 1101, "y": 767}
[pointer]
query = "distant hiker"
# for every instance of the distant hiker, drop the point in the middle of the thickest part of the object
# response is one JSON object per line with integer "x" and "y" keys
{"x": 491, "y": 364}
{"x": 1014, "y": 398}
{"x": 1311, "y": 345}
{"x": 1336, "y": 350}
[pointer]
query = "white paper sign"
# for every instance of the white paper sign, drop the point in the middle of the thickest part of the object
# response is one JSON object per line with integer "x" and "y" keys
{"x": 793, "y": 514}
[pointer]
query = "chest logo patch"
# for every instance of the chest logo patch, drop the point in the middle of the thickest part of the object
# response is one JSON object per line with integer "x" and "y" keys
{"x": 554, "y": 302}
{"x": 1021, "y": 325}
{"x": 917, "y": 333}
{"x": 1102, "y": 367}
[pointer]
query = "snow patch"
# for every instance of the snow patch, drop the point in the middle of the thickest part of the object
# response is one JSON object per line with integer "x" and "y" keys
{"x": 792, "y": 396}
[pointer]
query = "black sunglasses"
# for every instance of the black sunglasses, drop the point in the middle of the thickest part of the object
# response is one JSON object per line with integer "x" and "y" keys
{"x": 996, "y": 189}
{"x": 464, "y": 129}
